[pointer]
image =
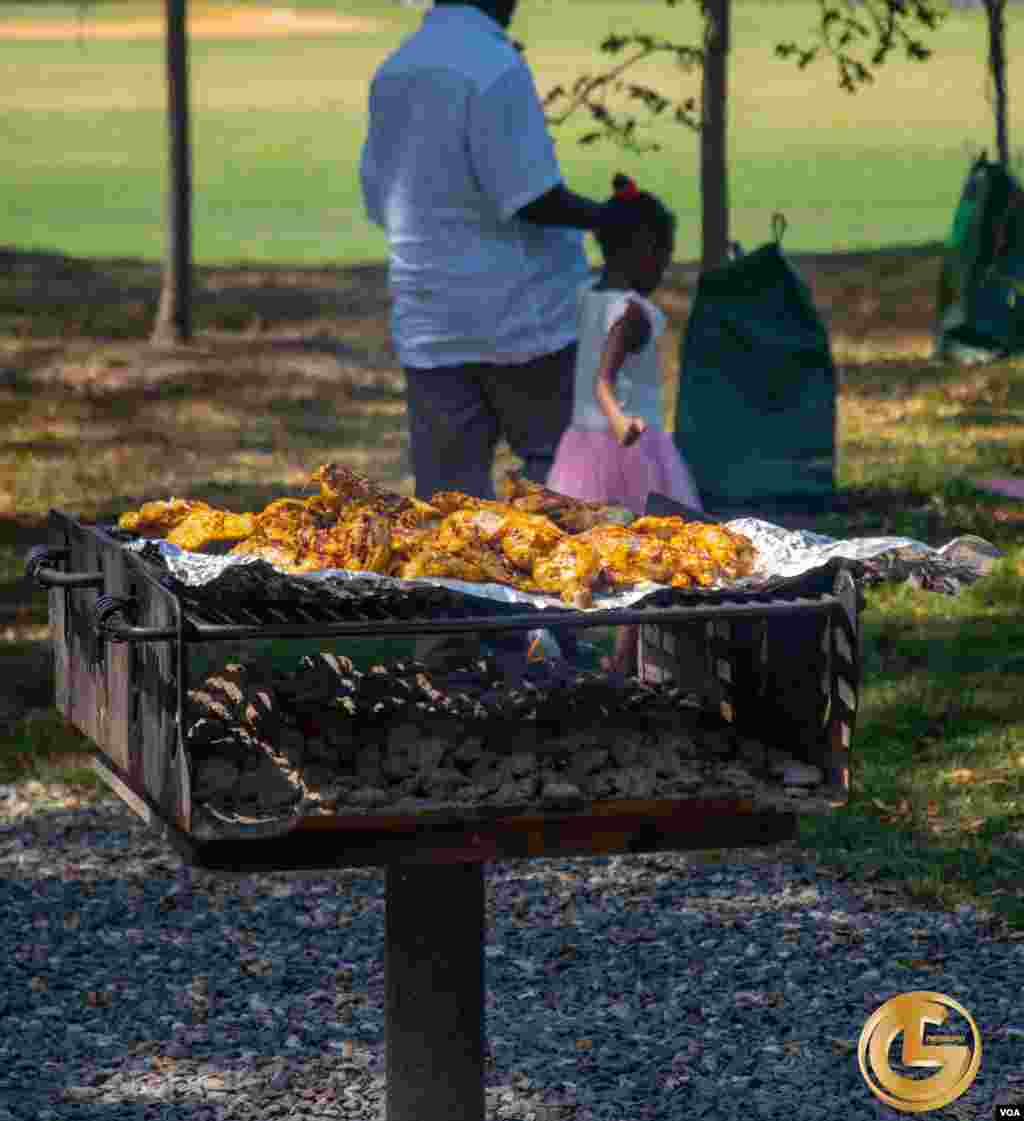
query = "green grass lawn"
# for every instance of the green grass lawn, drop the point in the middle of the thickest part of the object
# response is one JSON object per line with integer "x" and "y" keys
{"x": 278, "y": 126}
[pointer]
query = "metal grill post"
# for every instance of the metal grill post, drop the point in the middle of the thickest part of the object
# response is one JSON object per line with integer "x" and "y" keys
{"x": 434, "y": 992}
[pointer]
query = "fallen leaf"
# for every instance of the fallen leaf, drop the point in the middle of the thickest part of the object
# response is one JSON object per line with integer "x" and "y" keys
{"x": 961, "y": 775}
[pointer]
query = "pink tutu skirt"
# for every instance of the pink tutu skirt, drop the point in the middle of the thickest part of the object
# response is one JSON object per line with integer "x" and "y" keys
{"x": 591, "y": 465}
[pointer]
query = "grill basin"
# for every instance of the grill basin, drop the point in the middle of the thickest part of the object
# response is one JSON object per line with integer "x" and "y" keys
{"x": 780, "y": 666}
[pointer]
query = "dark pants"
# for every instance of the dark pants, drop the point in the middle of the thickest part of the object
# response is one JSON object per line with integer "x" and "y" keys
{"x": 457, "y": 414}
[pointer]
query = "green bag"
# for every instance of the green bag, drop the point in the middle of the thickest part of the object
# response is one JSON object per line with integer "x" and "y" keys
{"x": 755, "y": 418}
{"x": 980, "y": 306}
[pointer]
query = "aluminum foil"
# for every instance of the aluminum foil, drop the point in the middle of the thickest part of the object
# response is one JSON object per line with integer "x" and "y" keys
{"x": 780, "y": 553}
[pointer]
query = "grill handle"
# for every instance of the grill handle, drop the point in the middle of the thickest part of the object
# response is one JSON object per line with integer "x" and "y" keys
{"x": 106, "y": 626}
{"x": 38, "y": 568}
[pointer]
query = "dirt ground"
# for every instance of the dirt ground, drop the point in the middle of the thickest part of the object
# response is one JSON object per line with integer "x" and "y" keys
{"x": 203, "y": 23}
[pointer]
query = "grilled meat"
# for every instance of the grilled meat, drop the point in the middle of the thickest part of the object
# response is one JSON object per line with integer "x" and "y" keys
{"x": 571, "y": 570}
{"x": 569, "y": 514}
{"x": 535, "y": 541}
{"x": 157, "y": 519}
{"x": 206, "y": 529}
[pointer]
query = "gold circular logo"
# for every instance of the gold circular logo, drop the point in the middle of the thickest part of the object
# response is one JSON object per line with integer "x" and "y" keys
{"x": 955, "y": 1062}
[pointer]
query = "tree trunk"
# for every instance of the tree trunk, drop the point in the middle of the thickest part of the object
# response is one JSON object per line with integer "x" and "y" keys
{"x": 174, "y": 317}
{"x": 713, "y": 156}
{"x": 995, "y": 11}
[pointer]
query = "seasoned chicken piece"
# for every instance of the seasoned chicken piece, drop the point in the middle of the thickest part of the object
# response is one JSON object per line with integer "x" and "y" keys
{"x": 525, "y": 538}
{"x": 475, "y": 562}
{"x": 448, "y": 501}
{"x": 282, "y": 520}
{"x": 569, "y": 514}
{"x": 283, "y": 555}
{"x": 522, "y": 538}
{"x": 406, "y": 541}
{"x": 661, "y": 527}
{"x": 628, "y": 558}
{"x": 570, "y": 570}
{"x": 466, "y": 528}
{"x": 207, "y": 528}
{"x": 732, "y": 554}
{"x": 361, "y": 544}
{"x": 341, "y": 485}
{"x": 157, "y": 519}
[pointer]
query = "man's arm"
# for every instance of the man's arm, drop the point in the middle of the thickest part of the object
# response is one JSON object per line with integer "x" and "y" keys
{"x": 561, "y": 207}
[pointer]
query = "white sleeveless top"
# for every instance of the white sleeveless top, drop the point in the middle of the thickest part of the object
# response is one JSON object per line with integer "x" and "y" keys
{"x": 638, "y": 385}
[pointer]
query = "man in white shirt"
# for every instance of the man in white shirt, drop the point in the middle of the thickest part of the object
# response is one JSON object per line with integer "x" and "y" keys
{"x": 486, "y": 253}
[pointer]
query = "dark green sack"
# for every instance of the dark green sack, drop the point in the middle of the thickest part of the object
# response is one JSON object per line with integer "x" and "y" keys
{"x": 980, "y": 307}
{"x": 755, "y": 418}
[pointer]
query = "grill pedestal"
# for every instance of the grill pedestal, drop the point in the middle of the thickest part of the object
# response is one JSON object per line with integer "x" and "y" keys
{"x": 434, "y": 985}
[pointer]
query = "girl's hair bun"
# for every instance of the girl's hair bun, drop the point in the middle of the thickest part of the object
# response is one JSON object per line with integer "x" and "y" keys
{"x": 624, "y": 187}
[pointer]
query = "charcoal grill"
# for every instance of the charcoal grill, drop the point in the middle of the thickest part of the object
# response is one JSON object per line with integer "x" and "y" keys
{"x": 782, "y": 663}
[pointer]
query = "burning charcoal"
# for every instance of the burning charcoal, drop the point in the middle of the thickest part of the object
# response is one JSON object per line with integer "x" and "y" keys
{"x": 444, "y": 782}
{"x": 719, "y": 745}
{"x": 587, "y": 762}
{"x": 564, "y": 795}
{"x": 753, "y": 754}
{"x": 229, "y": 687}
{"x": 474, "y": 794}
{"x": 267, "y": 787}
{"x": 369, "y": 766}
{"x": 468, "y": 753}
{"x": 341, "y": 665}
{"x": 401, "y": 758}
{"x": 215, "y": 779}
{"x": 687, "y": 780}
{"x": 520, "y": 790}
{"x": 294, "y": 746}
{"x": 599, "y": 785}
{"x": 634, "y": 782}
{"x": 664, "y": 761}
{"x": 205, "y": 732}
{"x": 369, "y": 797}
{"x": 260, "y": 712}
{"x": 628, "y": 749}
{"x": 796, "y": 773}
{"x": 203, "y": 703}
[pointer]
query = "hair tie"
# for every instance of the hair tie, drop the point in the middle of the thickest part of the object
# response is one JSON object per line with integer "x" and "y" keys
{"x": 625, "y": 189}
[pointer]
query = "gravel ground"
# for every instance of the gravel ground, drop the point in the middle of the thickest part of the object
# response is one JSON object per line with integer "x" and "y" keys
{"x": 619, "y": 989}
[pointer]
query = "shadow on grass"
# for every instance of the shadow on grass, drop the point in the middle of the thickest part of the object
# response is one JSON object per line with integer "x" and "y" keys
{"x": 48, "y": 295}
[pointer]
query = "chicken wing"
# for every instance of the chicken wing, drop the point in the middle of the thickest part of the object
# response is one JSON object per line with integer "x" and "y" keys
{"x": 284, "y": 555}
{"x": 628, "y": 558}
{"x": 345, "y": 492}
{"x": 571, "y": 570}
{"x": 361, "y": 544}
{"x": 569, "y": 514}
{"x": 660, "y": 527}
{"x": 157, "y": 519}
{"x": 208, "y": 529}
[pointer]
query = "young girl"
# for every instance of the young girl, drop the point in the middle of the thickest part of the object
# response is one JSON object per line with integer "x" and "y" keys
{"x": 615, "y": 450}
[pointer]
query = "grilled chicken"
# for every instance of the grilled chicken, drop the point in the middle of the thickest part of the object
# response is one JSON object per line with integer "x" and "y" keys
{"x": 156, "y": 519}
{"x": 535, "y": 541}
{"x": 569, "y": 514}
{"x": 571, "y": 570}
{"x": 206, "y": 529}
